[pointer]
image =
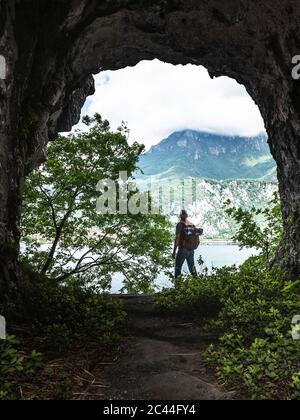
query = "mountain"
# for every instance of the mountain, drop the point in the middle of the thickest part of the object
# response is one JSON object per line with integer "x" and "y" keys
{"x": 199, "y": 154}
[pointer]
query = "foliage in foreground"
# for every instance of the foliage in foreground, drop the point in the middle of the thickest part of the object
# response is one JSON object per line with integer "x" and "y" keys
{"x": 15, "y": 368}
{"x": 63, "y": 316}
{"x": 54, "y": 319}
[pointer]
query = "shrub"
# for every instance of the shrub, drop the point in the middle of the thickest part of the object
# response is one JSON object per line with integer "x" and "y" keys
{"x": 263, "y": 369}
{"x": 254, "y": 298}
{"x": 199, "y": 297}
{"x": 61, "y": 316}
{"x": 15, "y": 368}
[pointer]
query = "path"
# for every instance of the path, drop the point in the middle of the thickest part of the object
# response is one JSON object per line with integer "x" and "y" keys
{"x": 162, "y": 360}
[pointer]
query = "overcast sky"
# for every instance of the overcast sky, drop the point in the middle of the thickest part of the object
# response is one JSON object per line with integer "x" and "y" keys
{"x": 157, "y": 99}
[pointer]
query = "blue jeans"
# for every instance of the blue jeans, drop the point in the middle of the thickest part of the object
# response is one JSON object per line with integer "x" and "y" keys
{"x": 182, "y": 256}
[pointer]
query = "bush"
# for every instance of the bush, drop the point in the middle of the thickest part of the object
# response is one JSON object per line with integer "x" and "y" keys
{"x": 62, "y": 316}
{"x": 254, "y": 298}
{"x": 15, "y": 368}
{"x": 196, "y": 296}
{"x": 257, "y": 353}
{"x": 263, "y": 369}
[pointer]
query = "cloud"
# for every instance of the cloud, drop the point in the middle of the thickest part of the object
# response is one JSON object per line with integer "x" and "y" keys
{"x": 157, "y": 99}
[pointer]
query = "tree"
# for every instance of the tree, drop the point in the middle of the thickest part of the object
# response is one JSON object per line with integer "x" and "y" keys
{"x": 259, "y": 228}
{"x": 65, "y": 238}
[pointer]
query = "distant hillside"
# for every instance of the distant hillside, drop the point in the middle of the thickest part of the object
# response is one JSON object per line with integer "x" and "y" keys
{"x": 210, "y": 156}
{"x": 205, "y": 202}
{"x": 208, "y": 210}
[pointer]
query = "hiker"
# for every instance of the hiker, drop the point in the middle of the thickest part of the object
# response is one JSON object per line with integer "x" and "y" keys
{"x": 187, "y": 241}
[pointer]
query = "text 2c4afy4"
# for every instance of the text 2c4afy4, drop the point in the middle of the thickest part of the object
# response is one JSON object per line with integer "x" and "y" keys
{"x": 151, "y": 410}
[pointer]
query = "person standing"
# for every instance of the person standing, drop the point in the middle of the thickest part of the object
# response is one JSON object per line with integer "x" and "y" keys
{"x": 185, "y": 253}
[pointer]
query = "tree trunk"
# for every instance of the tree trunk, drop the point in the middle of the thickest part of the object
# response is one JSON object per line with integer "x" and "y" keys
{"x": 10, "y": 209}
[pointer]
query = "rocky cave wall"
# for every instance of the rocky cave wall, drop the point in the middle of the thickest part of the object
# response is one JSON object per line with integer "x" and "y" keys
{"x": 52, "y": 48}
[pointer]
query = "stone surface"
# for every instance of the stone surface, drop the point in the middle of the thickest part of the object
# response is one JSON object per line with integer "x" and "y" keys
{"x": 52, "y": 48}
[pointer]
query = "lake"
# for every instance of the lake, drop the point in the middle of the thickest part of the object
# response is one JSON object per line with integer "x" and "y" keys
{"x": 214, "y": 255}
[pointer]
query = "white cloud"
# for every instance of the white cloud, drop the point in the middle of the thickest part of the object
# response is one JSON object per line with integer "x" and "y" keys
{"x": 157, "y": 99}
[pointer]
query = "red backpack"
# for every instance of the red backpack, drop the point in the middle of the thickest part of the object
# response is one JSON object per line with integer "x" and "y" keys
{"x": 191, "y": 237}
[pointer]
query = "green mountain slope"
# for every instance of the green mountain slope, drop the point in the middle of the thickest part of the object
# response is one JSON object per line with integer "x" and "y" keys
{"x": 203, "y": 155}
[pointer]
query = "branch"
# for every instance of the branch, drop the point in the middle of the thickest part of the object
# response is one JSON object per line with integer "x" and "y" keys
{"x": 51, "y": 206}
{"x": 86, "y": 267}
{"x": 59, "y": 231}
